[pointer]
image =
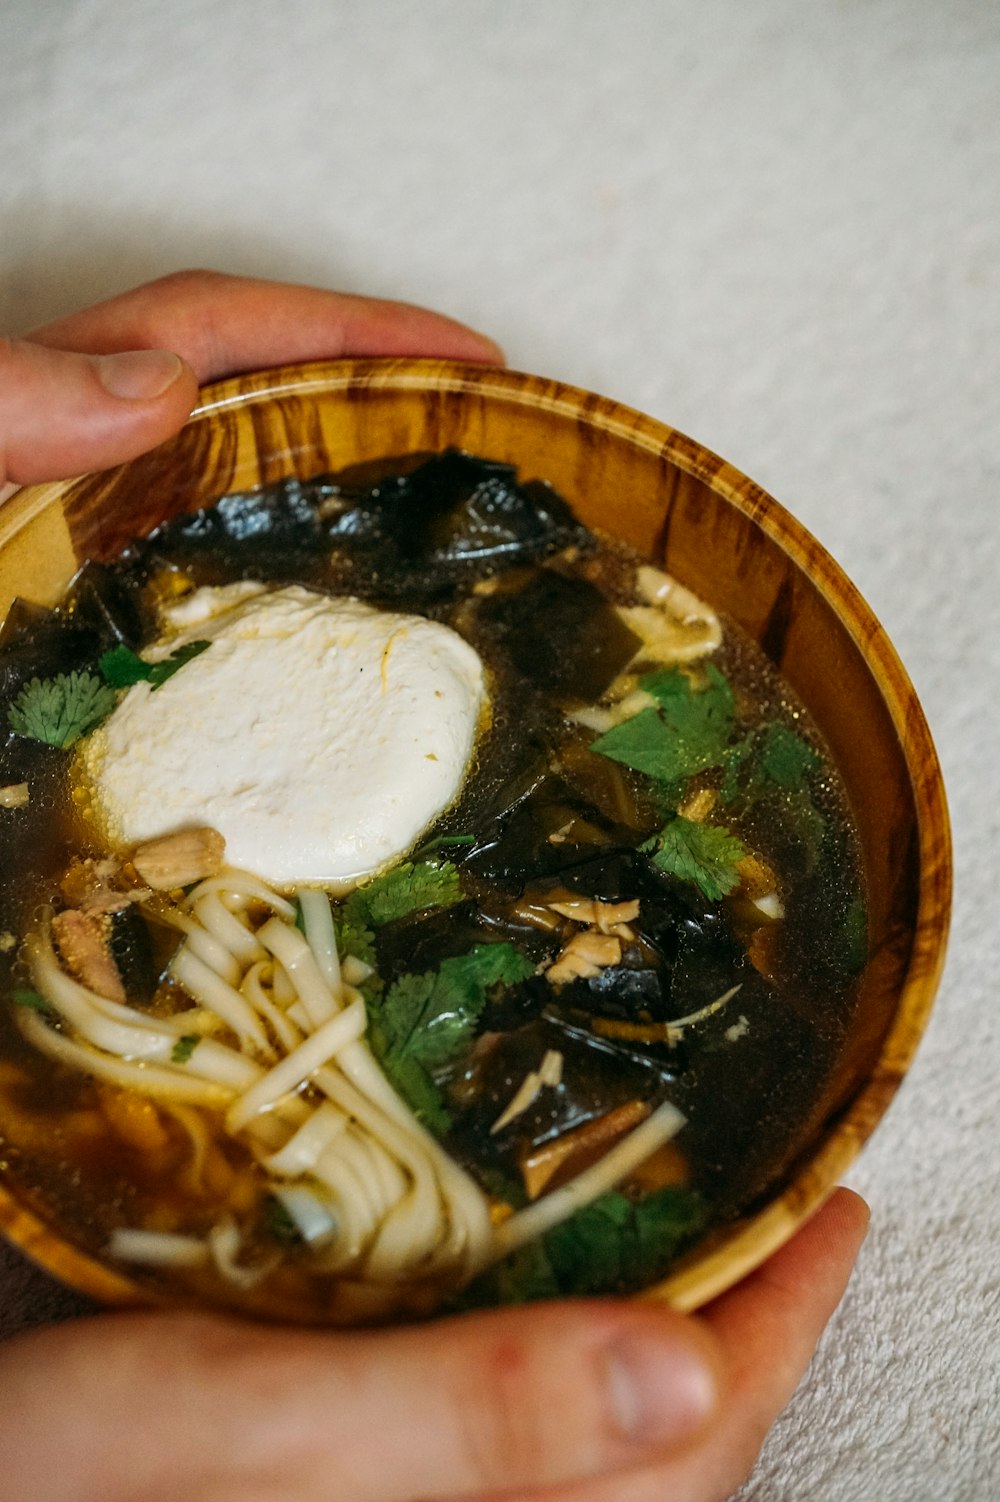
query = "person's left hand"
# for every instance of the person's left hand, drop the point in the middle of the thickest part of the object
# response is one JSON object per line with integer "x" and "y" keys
{"x": 100, "y": 386}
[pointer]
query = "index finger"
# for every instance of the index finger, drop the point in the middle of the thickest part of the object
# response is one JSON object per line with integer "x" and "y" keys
{"x": 224, "y": 325}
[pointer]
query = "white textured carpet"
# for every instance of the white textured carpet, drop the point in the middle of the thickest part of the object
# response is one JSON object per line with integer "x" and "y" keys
{"x": 775, "y": 225}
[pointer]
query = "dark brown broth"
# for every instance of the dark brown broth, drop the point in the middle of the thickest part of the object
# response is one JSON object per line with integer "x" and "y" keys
{"x": 749, "y": 1099}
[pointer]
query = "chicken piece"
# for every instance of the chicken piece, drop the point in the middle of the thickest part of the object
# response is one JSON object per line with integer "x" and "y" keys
{"x": 561, "y": 1159}
{"x": 549, "y": 1073}
{"x": 177, "y": 860}
{"x": 14, "y": 796}
{"x": 697, "y": 806}
{"x": 605, "y": 917}
{"x": 81, "y": 939}
{"x": 585, "y": 955}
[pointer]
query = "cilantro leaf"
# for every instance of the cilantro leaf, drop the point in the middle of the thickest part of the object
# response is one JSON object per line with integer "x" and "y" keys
{"x": 59, "y": 710}
{"x": 419, "y": 1091}
{"x": 610, "y": 1246}
{"x": 184, "y": 1048}
{"x": 278, "y": 1223}
{"x": 407, "y": 888}
{"x": 645, "y": 743}
{"x": 705, "y": 854}
{"x": 121, "y": 667}
{"x": 771, "y": 759}
{"x": 685, "y": 733}
{"x": 424, "y": 1022}
{"x": 31, "y": 999}
{"x": 785, "y": 757}
{"x": 354, "y": 939}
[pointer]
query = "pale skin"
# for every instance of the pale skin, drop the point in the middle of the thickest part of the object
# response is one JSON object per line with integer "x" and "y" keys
{"x": 584, "y": 1401}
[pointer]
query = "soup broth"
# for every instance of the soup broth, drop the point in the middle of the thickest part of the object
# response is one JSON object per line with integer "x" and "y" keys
{"x": 642, "y": 913}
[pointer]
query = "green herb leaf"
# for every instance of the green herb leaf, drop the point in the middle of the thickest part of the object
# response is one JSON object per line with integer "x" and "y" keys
{"x": 419, "y": 1091}
{"x": 609, "y": 1246}
{"x": 773, "y": 759}
{"x": 59, "y": 710}
{"x": 407, "y": 888}
{"x": 355, "y": 939}
{"x": 446, "y": 842}
{"x": 121, "y": 667}
{"x": 424, "y": 1022}
{"x": 686, "y": 733}
{"x": 184, "y": 1048}
{"x": 278, "y": 1223}
{"x": 25, "y": 998}
{"x": 785, "y": 757}
{"x": 705, "y": 854}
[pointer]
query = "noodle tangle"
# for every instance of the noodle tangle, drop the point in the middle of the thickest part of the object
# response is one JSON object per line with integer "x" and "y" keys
{"x": 264, "y": 1043}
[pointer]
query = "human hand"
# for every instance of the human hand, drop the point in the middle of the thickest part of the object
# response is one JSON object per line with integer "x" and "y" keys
{"x": 596, "y": 1401}
{"x": 108, "y": 383}
{"x": 601, "y": 1401}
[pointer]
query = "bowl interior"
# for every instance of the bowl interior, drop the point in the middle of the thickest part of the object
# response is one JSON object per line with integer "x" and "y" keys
{"x": 703, "y": 522}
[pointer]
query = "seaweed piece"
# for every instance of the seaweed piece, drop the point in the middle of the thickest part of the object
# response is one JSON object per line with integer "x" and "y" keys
{"x": 281, "y": 514}
{"x": 560, "y": 633}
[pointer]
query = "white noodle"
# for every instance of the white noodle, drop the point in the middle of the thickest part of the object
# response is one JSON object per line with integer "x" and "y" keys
{"x": 290, "y": 947}
{"x": 225, "y": 1245}
{"x": 282, "y": 1026}
{"x": 626, "y": 1155}
{"x": 226, "y": 928}
{"x": 295, "y": 1068}
{"x": 157, "y": 1248}
{"x": 147, "y": 1079}
{"x": 304, "y": 1147}
{"x": 206, "y": 986}
{"x": 317, "y": 916}
{"x": 314, "y": 1221}
{"x": 244, "y": 886}
{"x": 206, "y": 946}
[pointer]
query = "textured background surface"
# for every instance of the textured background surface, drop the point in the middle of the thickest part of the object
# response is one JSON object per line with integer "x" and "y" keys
{"x": 773, "y": 225}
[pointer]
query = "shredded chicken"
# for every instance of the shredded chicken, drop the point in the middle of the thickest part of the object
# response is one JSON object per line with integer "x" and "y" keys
{"x": 697, "y": 806}
{"x": 586, "y": 955}
{"x": 761, "y": 885}
{"x": 81, "y": 939}
{"x": 177, "y": 860}
{"x": 549, "y": 1072}
{"x": 99, "y": 887}
{"x": 605, "y": 917}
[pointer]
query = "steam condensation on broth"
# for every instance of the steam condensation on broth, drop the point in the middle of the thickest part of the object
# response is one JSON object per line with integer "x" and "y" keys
{"x": 587, "y": 1018}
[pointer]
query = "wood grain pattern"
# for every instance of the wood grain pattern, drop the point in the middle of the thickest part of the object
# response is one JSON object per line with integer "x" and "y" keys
{"x": 705, "y": 522}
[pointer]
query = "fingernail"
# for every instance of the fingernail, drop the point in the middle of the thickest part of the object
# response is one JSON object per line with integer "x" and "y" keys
{"x": 138, "y": 375}
{"x": 662, "y": 1391}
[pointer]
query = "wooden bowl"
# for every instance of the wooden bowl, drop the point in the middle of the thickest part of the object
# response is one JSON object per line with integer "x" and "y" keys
{"x": 708, "y": 525}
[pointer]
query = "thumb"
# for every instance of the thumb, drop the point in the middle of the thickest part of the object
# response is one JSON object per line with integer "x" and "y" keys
{"x": 62, "y": 414}
{"x": 147, "y": 1406}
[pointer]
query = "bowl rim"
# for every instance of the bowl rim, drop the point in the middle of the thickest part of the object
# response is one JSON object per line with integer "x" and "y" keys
{"x": 737, "y": 1249}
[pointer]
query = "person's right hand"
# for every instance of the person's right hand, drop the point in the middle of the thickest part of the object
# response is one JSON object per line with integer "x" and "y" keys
{"x": 593, "y": 1401}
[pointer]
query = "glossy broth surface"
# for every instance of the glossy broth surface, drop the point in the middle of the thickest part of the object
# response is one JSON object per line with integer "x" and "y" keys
{"x": 542, "y": 815}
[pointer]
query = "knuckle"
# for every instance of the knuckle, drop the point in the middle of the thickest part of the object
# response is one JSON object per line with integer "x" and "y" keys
{"x": 503, "y": 1433}
{"x": 191, "y": 280}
